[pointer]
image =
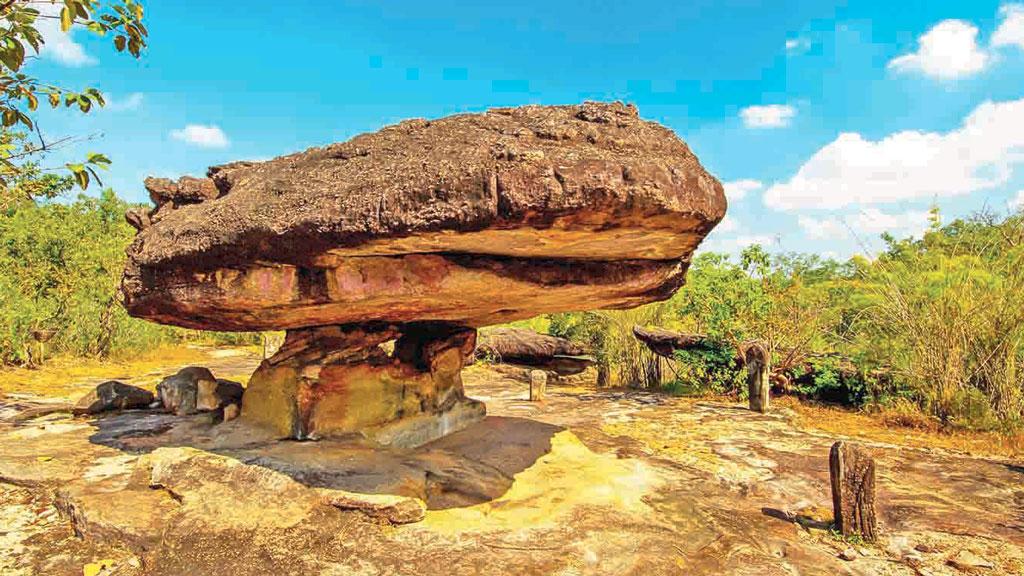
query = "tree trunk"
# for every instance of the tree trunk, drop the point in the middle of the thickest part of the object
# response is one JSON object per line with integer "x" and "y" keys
{"x": 603, "y": 375}
{"x": 852, "y": 472}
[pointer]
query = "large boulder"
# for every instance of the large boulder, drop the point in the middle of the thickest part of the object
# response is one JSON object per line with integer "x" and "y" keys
{"x": 476, "y": 219}
{"x": 113, "y": 395}
{"x": 421, "y": 231}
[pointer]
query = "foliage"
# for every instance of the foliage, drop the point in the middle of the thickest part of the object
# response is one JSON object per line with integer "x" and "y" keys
{"x": 60, "y": 265}
{"x": 20, "y": 93}
{"x": 622, "y": 360}
{"x": 946, "y": 313}
{"x": 787, "y": 304}
{"x": 711, "y": 368}
{"x": 933, "y": 324}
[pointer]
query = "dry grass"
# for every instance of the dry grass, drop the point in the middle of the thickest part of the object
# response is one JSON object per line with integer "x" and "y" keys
{"x": 68, "y": 377}
{"x": 903, "y": 428}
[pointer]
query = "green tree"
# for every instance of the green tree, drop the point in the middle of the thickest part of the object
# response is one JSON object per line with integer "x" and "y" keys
{"x": 21, "y": 93}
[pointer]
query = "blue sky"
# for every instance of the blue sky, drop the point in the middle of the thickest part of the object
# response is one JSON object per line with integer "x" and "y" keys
{"x": 830, "y": 122}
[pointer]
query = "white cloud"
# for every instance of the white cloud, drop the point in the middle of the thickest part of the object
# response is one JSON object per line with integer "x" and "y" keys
{"x": 130, "y": 102}
{"x": 823, "y": 228}
{"x": 744, "y": 241}
{"x": 1017, "y": 202}
{"x": 796, "y": 45}
{"x": 201, "y": 136}
{"x": 738, "y": 189}
{"x": 58, "y": 45}
{"x": 868, "y": 222}
{"x": 908, "y": 165}
{"x": 728, "y": 224}
{"x": 1011, "y": 30}
{"x": 949, "y": 50}
{"x": 769, "y": 116}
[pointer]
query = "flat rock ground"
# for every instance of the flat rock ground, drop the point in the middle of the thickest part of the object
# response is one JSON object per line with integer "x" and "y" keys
{"x": 589, "y": 482}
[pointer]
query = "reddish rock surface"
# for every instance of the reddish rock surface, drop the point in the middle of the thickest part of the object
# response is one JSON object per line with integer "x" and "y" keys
{"x": 475, "y": 218}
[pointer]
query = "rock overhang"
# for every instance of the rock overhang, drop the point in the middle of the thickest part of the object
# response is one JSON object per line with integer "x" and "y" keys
{"x": 473, "y": 219}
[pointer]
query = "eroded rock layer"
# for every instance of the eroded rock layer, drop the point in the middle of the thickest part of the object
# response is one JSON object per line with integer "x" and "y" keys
{"x": 474, "y": 219}
{"x": 338, "y": 380}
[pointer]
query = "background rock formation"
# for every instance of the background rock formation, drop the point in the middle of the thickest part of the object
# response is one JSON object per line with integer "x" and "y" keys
{"x": 527, "y": 348}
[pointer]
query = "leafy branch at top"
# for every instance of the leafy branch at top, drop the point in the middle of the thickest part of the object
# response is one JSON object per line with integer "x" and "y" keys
{"x": 20, "y": 93}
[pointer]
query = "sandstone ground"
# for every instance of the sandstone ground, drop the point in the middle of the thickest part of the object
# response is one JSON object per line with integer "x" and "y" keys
{"x": 589, "y": 482}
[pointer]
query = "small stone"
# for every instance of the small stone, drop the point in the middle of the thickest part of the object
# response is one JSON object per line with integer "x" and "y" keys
{"x": 967, "y": 561}
{"x": 538, "y": 385}
{"x": 394, "y": 509}
{"x": 113, "y": 395}
{"x": 231, "y": 412}
{"x": 913, "y": 559}
{"x": 849, "y": 554}
{"x": 864, "y": 551}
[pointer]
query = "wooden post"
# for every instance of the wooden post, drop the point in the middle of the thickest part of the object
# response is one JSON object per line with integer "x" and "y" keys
{"x": 538, "y": 385}
{"x": 755, "y": 357}
{"x": 852, "y": 472}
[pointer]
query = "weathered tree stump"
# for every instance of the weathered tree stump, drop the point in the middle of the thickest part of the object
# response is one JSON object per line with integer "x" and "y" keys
{"x": 755, "y": 357}
{"x": 538, "y": 385}
{"x": 852, "y": 472}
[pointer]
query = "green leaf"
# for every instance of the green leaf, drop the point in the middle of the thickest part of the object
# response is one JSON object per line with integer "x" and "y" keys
{"x": 81, "y": 176}
{"x": 66, "y": 19}
{"x": 99, "y": 159}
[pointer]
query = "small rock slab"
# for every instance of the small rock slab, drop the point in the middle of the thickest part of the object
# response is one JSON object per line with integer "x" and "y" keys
{"x": 394, "y": 509}
{"x": 113, "y": 395}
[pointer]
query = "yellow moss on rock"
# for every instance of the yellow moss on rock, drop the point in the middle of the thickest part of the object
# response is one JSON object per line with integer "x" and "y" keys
{"x": 571, "y": 475}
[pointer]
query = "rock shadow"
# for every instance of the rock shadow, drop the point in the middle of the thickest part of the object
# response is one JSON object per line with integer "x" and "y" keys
{"x": 801, "y": 519}
{"x": 468, "y": 467}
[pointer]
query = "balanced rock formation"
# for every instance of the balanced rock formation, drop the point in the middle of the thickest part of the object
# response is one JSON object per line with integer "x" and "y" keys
{"x": 524, "y": 347}
{"x": 750, "y": 355}
{"x": 421, "y": 233}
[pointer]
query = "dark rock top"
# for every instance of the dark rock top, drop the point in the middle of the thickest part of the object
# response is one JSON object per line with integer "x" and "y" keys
{"x": 511, "y": 186}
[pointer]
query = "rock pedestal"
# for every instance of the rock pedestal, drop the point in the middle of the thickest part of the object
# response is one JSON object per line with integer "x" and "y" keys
{"x": 756, "y": 360}
{"x": 852, "y": 474}
{"x": 338, "y": 380}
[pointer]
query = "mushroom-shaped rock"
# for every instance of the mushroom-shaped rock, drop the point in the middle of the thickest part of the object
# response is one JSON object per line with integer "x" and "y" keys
{"x": 420, "y": 232}
{"x": 528, "y": 348}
